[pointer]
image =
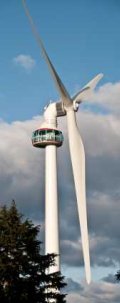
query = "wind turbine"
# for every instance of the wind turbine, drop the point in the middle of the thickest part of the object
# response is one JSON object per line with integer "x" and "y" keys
{"x": 50, "y": 137}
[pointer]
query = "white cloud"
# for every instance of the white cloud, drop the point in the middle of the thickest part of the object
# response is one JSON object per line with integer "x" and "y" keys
{"x": 96, "y": 293}
{"x": 26, "y": 61}
{"x": 108, "y": 96}
{"x": 22, "y": 179}
{"x": 19, "y": 173}
{"x": 101, "y": 133}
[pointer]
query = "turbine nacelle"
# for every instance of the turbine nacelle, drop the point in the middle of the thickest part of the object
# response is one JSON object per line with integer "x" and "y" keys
{"x": 54, "y": 110}
{"x": 74, "y": 102}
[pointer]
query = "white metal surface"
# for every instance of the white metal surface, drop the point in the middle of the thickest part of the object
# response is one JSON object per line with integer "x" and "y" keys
{"x": 78, "y": 165}
{"x": 85, "y": 92}
{"x": 51, "y": 195}
{"x": 77, "y": 158}
{"x": 51, "y": 206}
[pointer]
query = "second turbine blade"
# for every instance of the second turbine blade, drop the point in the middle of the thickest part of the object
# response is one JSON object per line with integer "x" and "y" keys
{"x": 78, "y": 166}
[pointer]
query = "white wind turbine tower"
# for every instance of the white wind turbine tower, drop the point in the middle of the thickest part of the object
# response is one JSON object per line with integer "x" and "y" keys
{"x": 50, "y": 137}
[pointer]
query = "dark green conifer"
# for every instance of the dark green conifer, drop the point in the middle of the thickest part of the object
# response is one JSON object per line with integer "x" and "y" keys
{"x": 118, "y": 275}
{"x": 23, "y": 277}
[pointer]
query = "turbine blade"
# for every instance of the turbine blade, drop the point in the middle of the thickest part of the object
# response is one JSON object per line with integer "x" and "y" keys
{"x": 85, "y": 92}
{"x": 92, "y": 83}
{"x": 78, "y": 166}
{"x": 82, "y": 93}
{"x": 60, "y": 86}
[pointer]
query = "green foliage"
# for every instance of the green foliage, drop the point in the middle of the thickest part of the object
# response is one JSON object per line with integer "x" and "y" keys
{"x": 118, "y": 276}
{"x": 23, "y": 269}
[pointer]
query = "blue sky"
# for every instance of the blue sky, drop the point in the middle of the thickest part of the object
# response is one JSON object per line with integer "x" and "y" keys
{"x": 82, "y": 38}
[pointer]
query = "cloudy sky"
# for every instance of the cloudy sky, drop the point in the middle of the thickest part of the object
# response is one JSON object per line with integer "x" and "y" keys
{"x": 82, "y": 38}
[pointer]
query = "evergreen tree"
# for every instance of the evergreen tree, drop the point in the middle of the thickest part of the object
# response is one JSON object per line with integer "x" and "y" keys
{"x": 118, "y": 276}
{"x": 23, "y": 268}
